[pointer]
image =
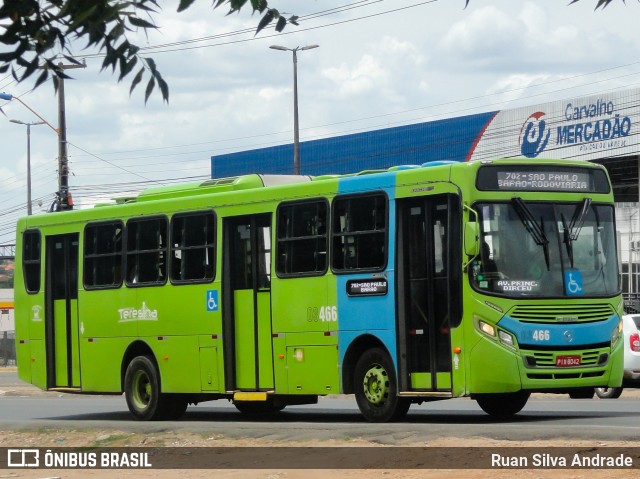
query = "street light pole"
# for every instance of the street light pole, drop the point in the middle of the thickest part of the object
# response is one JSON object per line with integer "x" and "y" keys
{"x": 296, "y": 129}
{"x": 28, "y": 125}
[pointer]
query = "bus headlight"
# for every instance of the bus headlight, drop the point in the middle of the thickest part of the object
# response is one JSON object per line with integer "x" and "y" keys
{"x": 617, "y": 333}
{"x": 506, "y": 339}
{"x": 486, "y": 328}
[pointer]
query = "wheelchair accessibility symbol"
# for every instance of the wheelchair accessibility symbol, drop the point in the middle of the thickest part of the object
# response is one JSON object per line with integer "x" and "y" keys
{"x": 212, "y": 300}
{"x": 573, "y": 283}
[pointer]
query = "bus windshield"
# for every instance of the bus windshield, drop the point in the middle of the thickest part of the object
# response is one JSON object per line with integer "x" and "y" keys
{"x": 543, "y": 249}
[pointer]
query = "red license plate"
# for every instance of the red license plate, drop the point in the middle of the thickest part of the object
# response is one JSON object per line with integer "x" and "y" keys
{"x": 567, "y": 361}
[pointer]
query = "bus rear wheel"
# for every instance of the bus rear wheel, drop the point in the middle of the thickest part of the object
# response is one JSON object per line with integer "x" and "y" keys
{"x": 376, "y": 388}
{"x": 502, "y": 405}
{"x": 142, "y": 392}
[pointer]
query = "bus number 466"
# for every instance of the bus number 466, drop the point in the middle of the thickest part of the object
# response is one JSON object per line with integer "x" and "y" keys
{"x": 541, "y": 335}
{"x": 323, "y": 314}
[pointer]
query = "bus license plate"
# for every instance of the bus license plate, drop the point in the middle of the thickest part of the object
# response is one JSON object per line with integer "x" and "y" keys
{"x": 567, "y": 361}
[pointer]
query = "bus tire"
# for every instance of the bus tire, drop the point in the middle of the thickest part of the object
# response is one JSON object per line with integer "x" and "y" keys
{"x": 502, "y": 405}
{"x": 376, "y": 388}
{"x": 609, "y": 393}
{"x": 142, "y": 390}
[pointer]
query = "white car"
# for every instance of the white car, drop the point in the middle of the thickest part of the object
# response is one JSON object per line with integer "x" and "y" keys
{"x": 631, "y": 332}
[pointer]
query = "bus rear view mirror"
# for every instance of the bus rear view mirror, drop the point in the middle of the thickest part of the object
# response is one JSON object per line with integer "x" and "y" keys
{"x": 471, "y": 239}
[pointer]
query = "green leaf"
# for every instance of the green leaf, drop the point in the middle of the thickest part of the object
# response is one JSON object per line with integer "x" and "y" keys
{"x": 237, "y": 4}
{"x": 127, "y": 67}
{"x": 151, "y": 64}
{"x": 259, "y": 5}
{"x": 139, "y": 22}
{"x": 41, "y": 78}
{"x": 80, "y": 19}
{"x": 282, "y": 22}
{"x": 184, "y": 4}
{"x": 266, "y": 19}
{"x": 164, "y": 88}
{"x": 150, "y": 86}
{"x": 137, "y": 79}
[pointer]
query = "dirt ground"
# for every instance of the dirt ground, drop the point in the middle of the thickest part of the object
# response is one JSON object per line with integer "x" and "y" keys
{"x": 116, "y": 438}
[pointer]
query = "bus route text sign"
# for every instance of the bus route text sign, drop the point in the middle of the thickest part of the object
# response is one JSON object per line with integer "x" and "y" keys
{"x": 543, "y": 181}
{"x": 367, "y": 287}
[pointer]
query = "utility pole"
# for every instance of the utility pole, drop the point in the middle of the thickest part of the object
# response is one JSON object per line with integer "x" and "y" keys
{"x": 28, "y": 125}
{"x": 63, "y": 161}
{"x": 296, "y": 129}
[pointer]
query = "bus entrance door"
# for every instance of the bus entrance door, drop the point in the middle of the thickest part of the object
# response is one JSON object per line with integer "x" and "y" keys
{"x": 246, "y": 288}
{"x": 424, "y": 265}
{"x": 61, "y": 311}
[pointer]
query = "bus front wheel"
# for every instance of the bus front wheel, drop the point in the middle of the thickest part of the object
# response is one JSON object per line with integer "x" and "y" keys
{"x": 142, "y": 391}
{"x": 376, "y": 388}
{"x": 502, "y": 405}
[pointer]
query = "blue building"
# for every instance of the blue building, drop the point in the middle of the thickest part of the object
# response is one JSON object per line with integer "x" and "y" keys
{"x": 449, "y": 139}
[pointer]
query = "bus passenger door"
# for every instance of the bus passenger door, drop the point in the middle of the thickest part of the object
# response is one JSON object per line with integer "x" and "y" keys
{"x": 427, "y": 284}
{"x": 246, "y": 306}
{"x": 62, "y": 332}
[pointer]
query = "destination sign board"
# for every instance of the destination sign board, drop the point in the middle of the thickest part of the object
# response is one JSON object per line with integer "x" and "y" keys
{"x": 367, "y": 287}
{"x": 540, "y": 181}
{"x": 544, "y": 178}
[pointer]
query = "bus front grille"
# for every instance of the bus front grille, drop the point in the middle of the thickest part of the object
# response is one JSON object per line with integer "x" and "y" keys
{"x": 558, "y": 313}
{"x": 548, "y": 359}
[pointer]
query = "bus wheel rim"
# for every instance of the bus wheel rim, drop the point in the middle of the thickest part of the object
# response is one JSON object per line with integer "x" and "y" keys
{"x": 376, "y": 385}
{"x": 141, "y": 390}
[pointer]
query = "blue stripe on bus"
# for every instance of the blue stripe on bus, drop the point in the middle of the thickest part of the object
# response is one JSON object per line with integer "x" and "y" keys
{"x": 373, "y": 315}
{"x": 560, "y": 334}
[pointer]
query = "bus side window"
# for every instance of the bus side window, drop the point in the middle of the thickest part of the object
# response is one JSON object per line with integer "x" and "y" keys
{"x": 302, "y": 238}
{"x": 193, "y": 247}
{"x": 103, "y": 255}
{"x": 31, "y": 260}
{"x": 359, "y": 233}
{"x": 146, "y": 251}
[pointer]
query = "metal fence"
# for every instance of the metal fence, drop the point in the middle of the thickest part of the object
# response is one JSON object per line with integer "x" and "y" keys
{"x": 7, "y": 348}
{"x": 631, "y": 303}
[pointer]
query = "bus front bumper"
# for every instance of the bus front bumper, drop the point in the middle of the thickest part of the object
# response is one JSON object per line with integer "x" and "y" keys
{"x": 494, "y": 368}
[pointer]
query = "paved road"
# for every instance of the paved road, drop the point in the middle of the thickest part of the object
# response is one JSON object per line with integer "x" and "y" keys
{"x": 544, "y": 417}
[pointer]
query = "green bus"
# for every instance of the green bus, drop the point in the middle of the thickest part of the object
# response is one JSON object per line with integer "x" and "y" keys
{"x": 490, "y": 279}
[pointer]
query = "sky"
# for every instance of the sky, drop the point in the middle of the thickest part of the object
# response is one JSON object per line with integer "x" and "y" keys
{"x": 380, "y": 63}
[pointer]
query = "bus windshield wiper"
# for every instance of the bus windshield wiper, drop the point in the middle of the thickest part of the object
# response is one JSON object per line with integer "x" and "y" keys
{"x": 531, "y": 225}
{"x": 572, "y": 231}
{"x": 577, "y": 220}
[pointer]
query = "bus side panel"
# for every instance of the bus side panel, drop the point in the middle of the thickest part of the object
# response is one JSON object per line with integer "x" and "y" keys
{"x": 107, "y": 314}
{"x": 296, "y": 304}
{"x": 313, "y": 369}
{"x": 177, "y": 357}
{"x": 370, "y": 314}
{"x": 312, "y": 363}
{"x": 493, "y": 369}
{"x": 101, "y": 361}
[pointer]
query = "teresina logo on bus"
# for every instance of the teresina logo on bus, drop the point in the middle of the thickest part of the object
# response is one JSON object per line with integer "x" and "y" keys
{"x": 134, "y": 314}
{"x": 593, "y": 126}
